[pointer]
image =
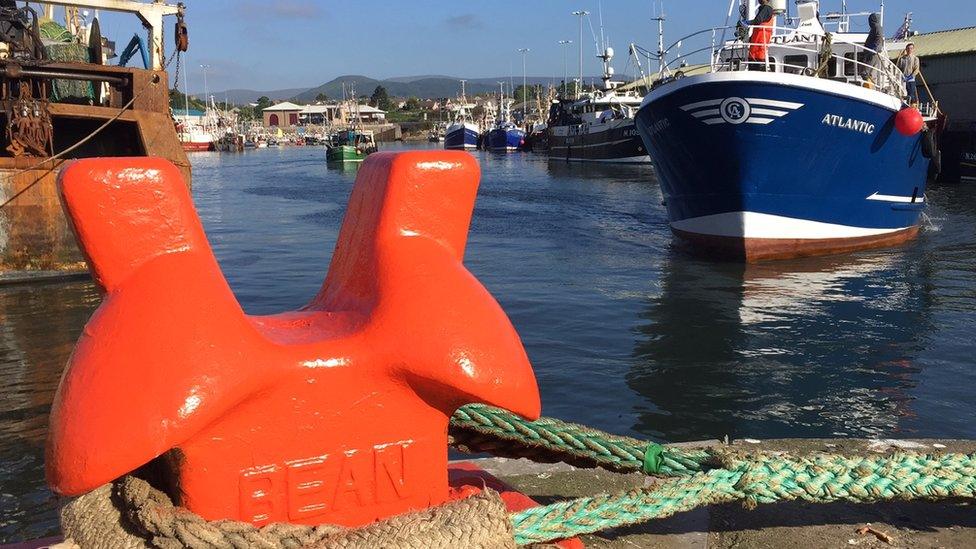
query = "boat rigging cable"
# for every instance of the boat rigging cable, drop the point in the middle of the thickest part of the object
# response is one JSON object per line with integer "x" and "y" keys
{"x": 176, "y": 55}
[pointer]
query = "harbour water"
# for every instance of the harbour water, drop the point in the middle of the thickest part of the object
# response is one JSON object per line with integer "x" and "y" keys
{"x": 626, "y": 332}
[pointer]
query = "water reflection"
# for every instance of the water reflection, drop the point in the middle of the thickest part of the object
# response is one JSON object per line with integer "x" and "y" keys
{"x": 38, "y": 328}
{"x": 597, "y": 171}
{"x": 624, "y": 334}
{"x": 822, "y": 346}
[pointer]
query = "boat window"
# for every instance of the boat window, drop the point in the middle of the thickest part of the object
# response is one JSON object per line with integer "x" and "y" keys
{"x": 851, "y": 68}
{"x": 795, "y": 63}
{"x": 119, "y": 139}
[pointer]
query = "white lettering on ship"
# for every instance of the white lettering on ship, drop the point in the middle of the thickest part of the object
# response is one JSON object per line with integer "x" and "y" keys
{"x": 843, "y": 122}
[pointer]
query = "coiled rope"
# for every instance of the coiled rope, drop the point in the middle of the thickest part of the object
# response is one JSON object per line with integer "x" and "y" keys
{"x": 130, "y": 514}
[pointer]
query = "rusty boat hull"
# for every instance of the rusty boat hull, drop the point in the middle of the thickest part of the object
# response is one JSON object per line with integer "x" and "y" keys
{"x": 35, "y": 237}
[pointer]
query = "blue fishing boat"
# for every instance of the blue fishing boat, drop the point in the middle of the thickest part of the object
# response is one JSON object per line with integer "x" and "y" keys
{"x": 505, "y": 135}
{"x": 811, "y": 150}
{"x": 463, "y": 132}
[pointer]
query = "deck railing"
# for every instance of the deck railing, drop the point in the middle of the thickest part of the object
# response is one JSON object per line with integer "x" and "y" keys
{"x": 881, "y": 73}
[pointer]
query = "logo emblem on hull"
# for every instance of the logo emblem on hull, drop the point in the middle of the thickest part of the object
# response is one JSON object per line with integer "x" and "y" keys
{"x": 738, "y": 110}
{"x": 735, "y": 110}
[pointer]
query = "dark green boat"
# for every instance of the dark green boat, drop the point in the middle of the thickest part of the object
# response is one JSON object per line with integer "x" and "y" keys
{"x": 350, "y": 146}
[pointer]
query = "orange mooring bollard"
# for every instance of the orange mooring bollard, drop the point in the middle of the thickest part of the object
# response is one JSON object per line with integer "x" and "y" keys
{"x": 335, "y": 413}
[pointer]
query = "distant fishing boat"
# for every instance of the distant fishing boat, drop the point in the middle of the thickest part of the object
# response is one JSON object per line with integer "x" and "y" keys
{"x": 194, "y": 137}
{"x": 505, "y": 135}
{"x": 463, "y": 132}
{"x": 812, "y": 150}
{"x": 437, "y": 133}
{"x": 350, "y": 146}
{"x": 597, "y": 126}
{"x": 230, "y": 142}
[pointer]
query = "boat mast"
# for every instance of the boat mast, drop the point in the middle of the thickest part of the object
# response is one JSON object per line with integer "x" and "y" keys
{"x": 503, "y": 116}
{"x": 660, "y": 37}
{"x": 579, "y": 83}
{"x": 359, "y": 117}
{"x": 463, "y": 114}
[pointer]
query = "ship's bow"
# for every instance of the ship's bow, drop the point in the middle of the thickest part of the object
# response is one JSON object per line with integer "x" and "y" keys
{"x": 762, "y": 166}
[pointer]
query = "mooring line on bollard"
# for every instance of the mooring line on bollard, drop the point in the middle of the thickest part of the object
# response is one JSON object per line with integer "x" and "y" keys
{"x": 758, "y": 479}
{"x": 724, "y": 475}
{"x": 481, "y": 428}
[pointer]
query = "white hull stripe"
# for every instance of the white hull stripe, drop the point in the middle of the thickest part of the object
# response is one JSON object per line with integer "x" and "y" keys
{"x": 769, "y": 112}
{"x": 617, "y": 142}
{"x": 768, "y": 226}
{"x": 895, "y": 198}
{"x": 700, "y": 104}
{"x": 771, "y": 103}
{"x": 563, "y": 131}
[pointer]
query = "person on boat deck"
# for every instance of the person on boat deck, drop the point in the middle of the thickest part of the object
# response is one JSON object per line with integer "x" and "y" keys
{"x": 874, "y": 44}
{"x": 762, "y": 33}
{"x": 910, "y": 67}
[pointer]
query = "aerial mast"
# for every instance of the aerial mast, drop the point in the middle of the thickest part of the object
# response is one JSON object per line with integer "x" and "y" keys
{"x": 579, "y": 83}
{"x": 660, "y": 37}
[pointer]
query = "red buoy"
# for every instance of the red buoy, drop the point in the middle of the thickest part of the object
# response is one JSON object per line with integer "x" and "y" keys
{"x": 909, "y": 121}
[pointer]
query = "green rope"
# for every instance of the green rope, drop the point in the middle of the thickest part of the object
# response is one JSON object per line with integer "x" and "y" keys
{"x": 478, "y": 428}
{"x": 704, "y": 477}
{"x": 755, "y": 480}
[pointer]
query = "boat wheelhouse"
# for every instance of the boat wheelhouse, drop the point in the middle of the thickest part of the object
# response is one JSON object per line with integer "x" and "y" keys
{"x": 809, "y": 151}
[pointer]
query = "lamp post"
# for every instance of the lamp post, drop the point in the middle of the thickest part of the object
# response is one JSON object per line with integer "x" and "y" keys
{"x": 523, "y": 51}
{"x": 206, "y": 91}
{"x": 581, "y": 14}
{"x": 565, "y": 65}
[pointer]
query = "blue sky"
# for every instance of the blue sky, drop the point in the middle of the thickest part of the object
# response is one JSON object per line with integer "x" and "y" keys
{"x": 274, "y": 44}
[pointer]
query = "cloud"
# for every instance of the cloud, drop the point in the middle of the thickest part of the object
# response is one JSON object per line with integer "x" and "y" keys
{"x": 467, "y": 21}
{"x": 281, "y": 9}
